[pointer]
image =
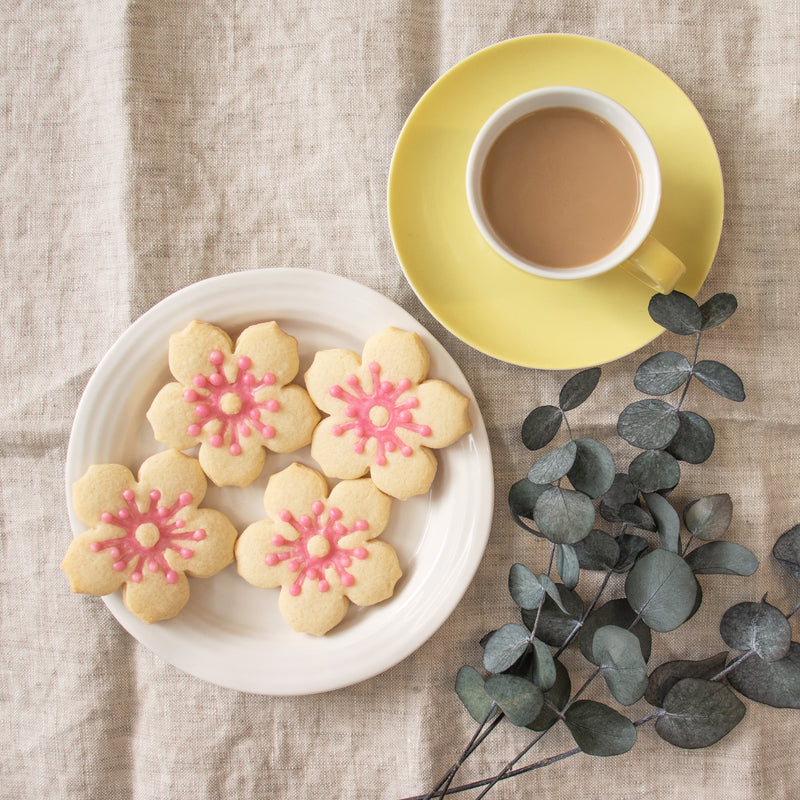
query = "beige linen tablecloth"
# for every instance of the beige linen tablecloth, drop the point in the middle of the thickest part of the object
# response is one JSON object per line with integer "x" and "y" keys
{"x": 151, "y": 144}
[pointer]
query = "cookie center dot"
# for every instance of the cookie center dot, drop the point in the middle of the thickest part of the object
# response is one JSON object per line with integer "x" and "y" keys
{"x": 379, "y": 415}
{"x": 230, "y": 403}
{"x": 318, "y": 546}
{"x": 147, "y": 534}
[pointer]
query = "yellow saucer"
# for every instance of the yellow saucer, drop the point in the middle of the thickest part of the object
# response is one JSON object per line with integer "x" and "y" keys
{"x": 490, "y": 304}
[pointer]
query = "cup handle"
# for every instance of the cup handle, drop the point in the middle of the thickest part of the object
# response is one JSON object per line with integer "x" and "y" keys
{"x": 655, "y": 265}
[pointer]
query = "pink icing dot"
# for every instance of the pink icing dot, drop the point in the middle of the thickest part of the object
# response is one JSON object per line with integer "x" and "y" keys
{"x": 425, "y": 430}
{"x": 202, "y": 410}
{"x": 348, "y": 579}
{"x": 254, "y": 413}
{"x": 305, "y": 520}
{"x": 216, "y": 379}
{"x": 294, "y": 590}
{"x": 193, "y": 430}
{"x": 406, "y": 451}
{"x": 323, "y": 586}
{"x": 404, "y": 416}
{"x": 293, "y": 566}
{"x": 335, "y": 391}
{"x": 199, "y": 535}
{"x": 235, "y": 449}
{"x": 361, "y": 525}
{"x": 200, "y": 381}
{"x": 185, "y": 498}
{"x": 335, "y": 513}
{"x": 162, "y": 512}
{"x": 172, "y": 576}
{"x": 215, "y": 357}
{"x": 273, "y": 405}
{"x": 269, "y": 379}
{"x": 339, "y": 529}
{"x": 317, "y": 507}
{"x": 123, "y": 513}
{"x": 136, "y": 576}
{"x": 358, "y": 447}
{"x": 336, "y": 430}
{"x": 278, "y": 540}
{"x": 352, "y": 380}
{"x": 271, "y": 560}
{"x": 114, "y": 552}
{"x": 152, "y": 565}
{"x": 404, "y": 384}
{"x": 118, "y": 566}
{"x": 244, "y": 362}
{"x": 268, "y": 432}
{"x": 190, "y": 396}
{"x": 386, "y": 387}
{"x": 249, "y": 380}
{"x": 285, "y": 515}
{"x": 390, "y": 446}
{"x": 244, "y": 430}
{"x": 215, "y": 440}
{"x": 128, "y": 495}
{"x": 380, "y": 460}
{"x": 360, "y": 552}
{"x": 155, "y": 495}
{"x": 179, "y": 523}
{"x": 95, "y": 547}
{"x": 106, "y": 517}
{"x": 185, "y": 552}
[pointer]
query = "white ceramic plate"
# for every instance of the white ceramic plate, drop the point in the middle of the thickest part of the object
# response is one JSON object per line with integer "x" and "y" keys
{"x": 231, "y": 633}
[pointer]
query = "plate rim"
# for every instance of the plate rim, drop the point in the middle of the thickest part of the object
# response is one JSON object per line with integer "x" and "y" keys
{"x": 478, "y": 442}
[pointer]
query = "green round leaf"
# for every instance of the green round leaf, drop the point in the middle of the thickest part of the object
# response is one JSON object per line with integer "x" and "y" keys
{"x": 525, "y": 589}
{"x": 555, "y": 625}
{"x": 717, "y": 309}
{"x": 663, "y": 678}
{"x": 593, "y": 469}
{"x": 709, "y": 517}
{"x": 543, "y": 669}
{"x": 598, "y": 551}
{"x": 787, "y": 551}
{"x": 615, "y": 612}
{"x": 554, "y": 465}
{"x": 558, "y": 695}
{"x": 567, "y": 564}
{"x": 648, "y": 424}
{"x": 578, "y": 388}
{"x": 618, "y": 654}
{"x": 694, "y": 441}
{"x": 759, "y": 627}
{"x": 773, "y": 683}
{"x": 631, "y": 547}
{"x": 622, "y": 492}
{"x": 722, "y": 558}
{"x": 599, "y": 730}
{"x": 668, "y": 523}
{"x": 699, "y": 713}
{"x": 564, "y": 516}
{"x": 662, "y": 373}
{"x": 654, "y": 471}
{"x": 636, "y": 516}
{"x": 522, "y": 497}
{"x": 471, "y": 692}
{"x": 541, "y": 426}
{"x": 662, "y": 589}
{"x": 520, "y": 700}
{"x": 676, "y": 312}
{"x": 505, "y": 647}
{"x": 720, "y": 379}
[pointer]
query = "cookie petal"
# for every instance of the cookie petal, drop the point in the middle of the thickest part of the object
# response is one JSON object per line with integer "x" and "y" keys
{"x": 270, "y": 350}
{"x": 154, "y": 599}
{"x": 189, "y": 351}
{"x": 330, "y": 368}
{"x": 375, "y": 576}
{"x": 226, "y": 469}
{"x": 444, "y": 410}
{"x": 99, "y": 490}
{"x": 313, "y": 611}
{"x": 361, "y": 500}
{"x": 206, "y": 556}
{"x": 293, "y": 423}
{"x": 337, "y": 455}
{"x": 174, "y": 475}
{"x": 252, "y": 548}
{"x": 92, "y": 572}
{"x": 293, "y": 489}
{"x": 401, "y": 354}
{"x": 170, "y": 417}
{"x": 405, "y": 476}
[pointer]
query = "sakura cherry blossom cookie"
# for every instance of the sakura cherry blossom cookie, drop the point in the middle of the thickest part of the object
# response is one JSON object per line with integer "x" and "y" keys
{"x": 319, "y": 548}
{"x": 146, "y": 535}
{"x": 384, "y": 416}
{"x": 233, "y": 402}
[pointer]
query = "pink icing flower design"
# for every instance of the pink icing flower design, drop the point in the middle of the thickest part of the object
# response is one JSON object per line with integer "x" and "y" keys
{"x": 385, "y": 416}
{"x": 146, "y": 535}
{"x": 319, "y": 548}
{"x": 233, "y": 401}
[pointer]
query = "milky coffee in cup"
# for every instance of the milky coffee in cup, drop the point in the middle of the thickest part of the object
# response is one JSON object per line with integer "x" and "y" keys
{"x": 564, "y": 182}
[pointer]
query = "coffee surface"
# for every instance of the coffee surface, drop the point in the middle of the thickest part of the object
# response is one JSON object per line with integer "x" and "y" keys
{"x": 560, "y": 187}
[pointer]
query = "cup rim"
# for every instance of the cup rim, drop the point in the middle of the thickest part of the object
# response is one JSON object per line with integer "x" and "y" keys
{"x": 586, "y": 99}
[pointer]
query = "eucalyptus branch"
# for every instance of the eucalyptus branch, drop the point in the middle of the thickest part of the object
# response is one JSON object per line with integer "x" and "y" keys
{"x": 691, "y": 373}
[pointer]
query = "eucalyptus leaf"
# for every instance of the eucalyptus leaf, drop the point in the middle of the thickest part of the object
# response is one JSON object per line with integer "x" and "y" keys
{"x": 668, "y": 523}
{"x": 556, "y": 464}
{"x": 720, "y": 379}
{"x": 694, "y": 441}
{"x": 773, "y": 683}
{"x": 567, "y": 564}
{"x": 676, "y": 312}
{"x": 622, "y": 492}
{"x": 598, "y": 551}
{"x": 598, "y": 729}
{"x": 472, "y": 693}
{"x": 522, "y": 497}
{"x": 504, "y": 647}
{"x": 654, "y": 471}
{"x": 578, "y": 388}
{"x": 636, "y": 516}
{"x": 717, "y": 309}
{"x": 631, "y": 547}
{"x": 663, "y": 678}
{"x": 524, "y": 586}
{"x": 648, "y": 424}
{"x": 555, "y": 625}
{"x": 556, "y": 697}
{"x": 564, "y": 516}
{"x": 787, "y": 551}
{"x": 543, "y": 669}
{"x": 618, "y": 654}
{"x": 615, "y": 612}
{"x": 759, "y": 627}
{"x": 519, "y": 699}
{"x": 541, "y": 426}
{"x": 593, "y": 469}
{"x": 722, "y": 558}
{"x": 662, "y": 373}
{"x": 699, "y": 713}
{"x": 662, "y": 589}
{"x": 553, "y": 591}
{"x": 709, "y": 517}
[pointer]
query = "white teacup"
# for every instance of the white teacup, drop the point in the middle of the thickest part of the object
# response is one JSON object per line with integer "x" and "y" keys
{"x": 635, "y": 249}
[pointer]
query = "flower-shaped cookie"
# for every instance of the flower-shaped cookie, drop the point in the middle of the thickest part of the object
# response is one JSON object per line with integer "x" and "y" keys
{"x": 383, "y": 415}
{"x": 233, "y": 402}
{"x": 146, "y": 535}
{"x": 320, "y": 549}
